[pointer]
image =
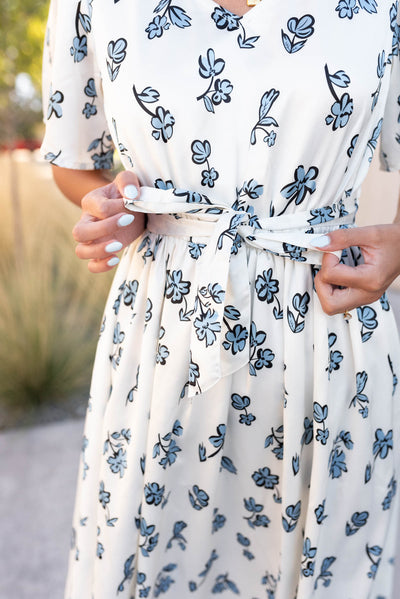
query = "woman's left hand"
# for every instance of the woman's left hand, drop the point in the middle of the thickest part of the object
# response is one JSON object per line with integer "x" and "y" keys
{"x": 362, "y": 284}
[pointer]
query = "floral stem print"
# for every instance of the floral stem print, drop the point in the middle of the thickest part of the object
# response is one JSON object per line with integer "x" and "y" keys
{"x": 276, "y": 436}
{"x": 104, "y": 158}
{"x": 307, "y": 563}
{"x": 128, "y": 572}
{"x": 264, "y": 357}
{"x": 380, "y": 71}
{"x": 164, "y": 581}
{"x": 325, "y": 574}
{"x": 118, "y": 338}
{"x": 115, "y": 443}
{"x": 320, "y": 415}
{"x": 250, "y": 190}
{"x": 241, "y": 403}
{"x": 358, "y": 520}
{"x": 193, "y": 586}
{"x": 210, "y": 67}
{"x": 206, "y": 323}
{"x": 168, "y": 446}
{"x": 360, "y": 398}
{"x": 392, "y": 486}
{"x": 264, "y": 120}
{"x": 90, "y": 108}
{"x": 116, "y": 53}
{"x": 169, "y": 15}
{"x": 300, "y": 304}
{"x": 293, "y": 514}
{"x": 337, "y": 463}
{"x": 301, "y": 28}
{"x": 224, "y": 19}
{"x": 146, "y": 531}
{"x": 178, "y": 536}
{"x": 335, "y": 356}
{"x": 79, "y": 44}
{"x": 348, "y": 8}
{"x": 342, "y": 108}
{"x": 104, "y": 499}
{"x": 256, "y": 519}
{"x": 198, "y": 498}
{"x": 201, "y": 151}
{"x": 367, "y": 316}
{"x": 381, "y": 447}
{"x": 267, "y": 290}
{"x": 373, "y": 552}
{"x": 223, "y": 583}
{"x": 162, "y": 120}
{"x": 394, "y": 375}
{"x": 304, "y": 182}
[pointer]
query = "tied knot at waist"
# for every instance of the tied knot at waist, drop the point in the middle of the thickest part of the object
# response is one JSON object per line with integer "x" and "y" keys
{"x": 215, "y": 353}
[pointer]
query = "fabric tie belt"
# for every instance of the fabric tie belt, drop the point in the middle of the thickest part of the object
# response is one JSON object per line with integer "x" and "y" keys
{"x": 222, "y": 291}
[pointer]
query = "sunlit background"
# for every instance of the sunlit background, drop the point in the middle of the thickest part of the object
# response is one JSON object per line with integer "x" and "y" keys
{"x": 50, "y": 311}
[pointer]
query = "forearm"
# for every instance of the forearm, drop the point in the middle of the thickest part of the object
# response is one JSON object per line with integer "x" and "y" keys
{"x": 397, "y": 217}
{"x": 75, "y": 184}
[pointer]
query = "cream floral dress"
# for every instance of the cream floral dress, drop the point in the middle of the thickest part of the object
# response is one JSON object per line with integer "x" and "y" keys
{"x": 238, "y": 441}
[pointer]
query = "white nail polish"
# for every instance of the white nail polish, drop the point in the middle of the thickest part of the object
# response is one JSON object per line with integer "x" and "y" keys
{"x": 130, "y": 192}
{"x": 113, "y": 261}
{"x": 125, "y": 220}
{"x": 115, "y": 246}
{"x": 321, "y": 242}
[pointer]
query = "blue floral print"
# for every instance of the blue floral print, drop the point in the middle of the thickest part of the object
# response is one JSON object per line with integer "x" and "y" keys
{"x": 224, "y": 19}
{"x": 116, "y": 53}
{"x": 162, "y": 120}
{"x": 170, "y": 14}
{"x": 348, "y": 8}
{"x": 265, "y": 120}
{"x": 227, "y": 411}
{"x": 342, "y": 108}
{"x": 210, "y": 67}
{"x": 201, "y": 151}
{"x": 301, "y": 28}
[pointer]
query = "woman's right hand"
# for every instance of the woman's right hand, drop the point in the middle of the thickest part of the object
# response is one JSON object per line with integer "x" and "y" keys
{"x": 105, "y": 226}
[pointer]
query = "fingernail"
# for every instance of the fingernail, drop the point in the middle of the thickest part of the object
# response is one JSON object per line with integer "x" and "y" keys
{"x": 321, "y": 242}
{"x": 113, "y": 261}
{"x": 115, "y": 246}
{"x": 130, "y": 192}
{"x": 125, "y": 220}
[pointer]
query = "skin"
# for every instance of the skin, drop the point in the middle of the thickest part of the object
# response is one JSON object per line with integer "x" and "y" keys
{"x": 339, "y": 287}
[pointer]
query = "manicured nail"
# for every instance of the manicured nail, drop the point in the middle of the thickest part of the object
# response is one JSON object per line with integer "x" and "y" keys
{"x": 321, "y": 242}
{"x": 131, "y": 192}
{"x": 125, "y": 220}
{"x": 115, "y": 246}
{"x": 113, "y": 261}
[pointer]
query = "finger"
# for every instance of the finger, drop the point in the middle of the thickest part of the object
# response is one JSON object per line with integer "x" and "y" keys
{"x": 128, "y": 185}
{"x": 335, "y": 301}
{"x": 98, "y": 251}
{"x": 87, "y": 229}
{"x": 98, "y": 266}
{"x": 344, "y": 238}
{"x": 365, "y": 277}
{"x": 103, "y": 202}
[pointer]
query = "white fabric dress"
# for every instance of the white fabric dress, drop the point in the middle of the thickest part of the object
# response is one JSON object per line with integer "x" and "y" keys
{"x": 238, "y": 440}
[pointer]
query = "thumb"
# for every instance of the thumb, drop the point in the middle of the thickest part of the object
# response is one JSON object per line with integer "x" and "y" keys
{"x": 344, "y": 238}
{"x": 128, "y": 185}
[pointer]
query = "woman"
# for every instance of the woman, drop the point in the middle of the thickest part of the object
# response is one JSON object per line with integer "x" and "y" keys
{"x": 242, "y": 429}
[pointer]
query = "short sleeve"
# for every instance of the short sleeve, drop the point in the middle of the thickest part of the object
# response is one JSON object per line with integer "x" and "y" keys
{"x": 77, "y": 134}
{"x": 390, "y": 139}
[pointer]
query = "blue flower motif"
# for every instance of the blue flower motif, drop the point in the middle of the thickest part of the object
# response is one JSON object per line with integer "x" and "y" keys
{"x": 209, "y": 65}
{"x": 157, "y": 26}
{"x": 54, "y": 105}
{"x": 367, "y": 316}
{"x": 100, "y": 549}
{"x": 341, "y": 111}
{"x": 225, "y": 19}
{"x": 302, "y": 27}
{"x": 266, "y": 286}
{"x": 218, "y": 522}
{"x": 162, "y": 354}
{"x": 245, "y": 541}
{"x": 263, "y": 478}
{"x": 163, "y": 123}
{"x": 89, "y": 110}
{"x": 199, "y": 498}
{"x": 382, "y": 444}
{"x": 337, "y": 463}
{"x": 252, "y": 189}
{"x": 346, "y": 8}
{"x": 308, "y": 431}
{"x": 175, "y": 288}
{"x": 236, "y": 339}
{"x": 222, "y": 92}
{"x": 118, "y": 462}
{"x": 207, "y": 326}
{"x": 117, "y": 50}
{"x": 322, "y": 435}
{"x": 104, "y": 496}
{"x": 265, "y": 358}
{"x": 153, "y": 493}
{"x": 246, "y": 419}
{"x": 304, "y": 182}
{"x": 104, "y": 160}
{"x": 79, "y": 48}
{"x": 209, "y": 177}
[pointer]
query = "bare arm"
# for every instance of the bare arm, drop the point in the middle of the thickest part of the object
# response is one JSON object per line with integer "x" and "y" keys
{"x": 75, "y": 184}
{"x": 105, "y": 226}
